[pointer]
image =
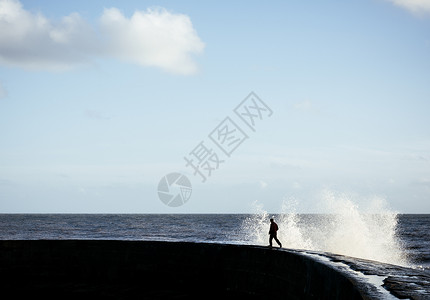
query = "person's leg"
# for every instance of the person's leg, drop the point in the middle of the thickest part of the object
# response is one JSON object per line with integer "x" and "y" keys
{"x": 277, "y": 241}
{"x": 270, "y": 240}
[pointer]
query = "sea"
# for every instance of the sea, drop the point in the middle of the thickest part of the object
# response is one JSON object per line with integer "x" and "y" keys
{"x": 399, "y": 239}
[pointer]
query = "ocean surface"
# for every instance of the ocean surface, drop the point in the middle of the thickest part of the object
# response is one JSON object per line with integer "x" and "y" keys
{"x": 391, "y": 238}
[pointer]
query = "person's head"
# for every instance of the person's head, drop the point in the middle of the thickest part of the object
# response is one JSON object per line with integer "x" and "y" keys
{"x": 271, "y": 220}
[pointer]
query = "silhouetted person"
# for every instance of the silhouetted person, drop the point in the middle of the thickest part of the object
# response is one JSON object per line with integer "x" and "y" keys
{"x": 272, "y": 232}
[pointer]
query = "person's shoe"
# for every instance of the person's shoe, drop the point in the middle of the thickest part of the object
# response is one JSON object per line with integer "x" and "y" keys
{"x": 280, "y": 245}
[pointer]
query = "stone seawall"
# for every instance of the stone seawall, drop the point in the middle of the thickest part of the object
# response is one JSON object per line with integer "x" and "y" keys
{"x": 165, "y": 270}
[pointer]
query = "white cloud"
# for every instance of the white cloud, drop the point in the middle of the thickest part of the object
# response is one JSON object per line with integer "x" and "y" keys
{"x": 32, "y": 41}
{"x": 418, "y": 7}
{"x": 154, "y": 37}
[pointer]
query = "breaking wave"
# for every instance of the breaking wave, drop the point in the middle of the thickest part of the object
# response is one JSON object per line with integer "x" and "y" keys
{"x": 369, "y": 233}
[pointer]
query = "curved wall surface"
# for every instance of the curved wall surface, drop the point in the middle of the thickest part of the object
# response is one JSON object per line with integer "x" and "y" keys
{"x": 166, "y": 270}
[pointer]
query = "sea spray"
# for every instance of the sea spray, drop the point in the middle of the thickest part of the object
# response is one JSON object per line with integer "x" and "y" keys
{"x": 254, "y": 229}
{"x": 369, "y": 232}
{"x": 347, "y": 229}
{"x": 291, "y": 234}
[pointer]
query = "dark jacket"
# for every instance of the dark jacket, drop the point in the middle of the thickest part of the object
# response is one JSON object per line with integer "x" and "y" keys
{"x": 273, "y": 228}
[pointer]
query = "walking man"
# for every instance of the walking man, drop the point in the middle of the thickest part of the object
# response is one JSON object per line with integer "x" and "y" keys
{"x": 272, "y": 232}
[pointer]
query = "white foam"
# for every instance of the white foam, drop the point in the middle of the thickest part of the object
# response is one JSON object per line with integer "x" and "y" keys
{"x": 368, "y": 233}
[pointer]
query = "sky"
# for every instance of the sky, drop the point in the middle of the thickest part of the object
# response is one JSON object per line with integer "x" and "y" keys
{"x": 100, "y": 100}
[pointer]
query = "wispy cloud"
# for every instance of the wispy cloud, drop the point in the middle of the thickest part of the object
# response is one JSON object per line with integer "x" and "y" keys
{"x": 3, "y": 91}
{"x": 4, "y": 182}
{"x": 297, "y": 185}
{"x": 154, "y": 37}
{"x": 304, "y": 105}
{"x": 97, "y": 115}
{"x": 417, "y": 7}
{"x": 262, "y": 184}
{"x": 422, "y": 182}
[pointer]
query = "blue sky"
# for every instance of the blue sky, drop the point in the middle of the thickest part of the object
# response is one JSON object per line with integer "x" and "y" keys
{"x": 99, "y": 100}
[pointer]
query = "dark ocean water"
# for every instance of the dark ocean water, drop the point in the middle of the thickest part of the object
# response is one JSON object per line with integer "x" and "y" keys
{"x": 408, "y": 235}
